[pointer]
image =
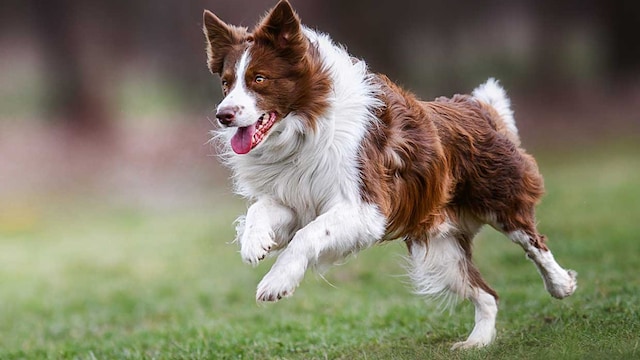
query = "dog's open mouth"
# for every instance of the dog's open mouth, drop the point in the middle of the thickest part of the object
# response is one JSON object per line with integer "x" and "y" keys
{"x": 248, "y": 137}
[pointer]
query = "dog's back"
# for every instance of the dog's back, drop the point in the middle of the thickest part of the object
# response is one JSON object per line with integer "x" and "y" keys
{"x": 493, "y": 177}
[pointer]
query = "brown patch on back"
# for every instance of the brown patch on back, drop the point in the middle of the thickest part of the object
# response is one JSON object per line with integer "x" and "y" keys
{"x": 492, "y": 175}
{"x": 426, "y": 160}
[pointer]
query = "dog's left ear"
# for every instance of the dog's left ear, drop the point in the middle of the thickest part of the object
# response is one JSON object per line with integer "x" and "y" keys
{"x": 221, "y": 37}
{"x": 281, "y": 28}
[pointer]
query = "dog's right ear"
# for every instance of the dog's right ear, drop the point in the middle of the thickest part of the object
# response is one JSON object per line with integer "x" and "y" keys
{"x": 221, "y": 37}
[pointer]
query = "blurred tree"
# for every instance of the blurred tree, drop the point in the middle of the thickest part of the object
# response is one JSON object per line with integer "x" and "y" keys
{"x": 73, "y": 68}
{"x": 621, "y": 19}
{"x": 89, "y": 46}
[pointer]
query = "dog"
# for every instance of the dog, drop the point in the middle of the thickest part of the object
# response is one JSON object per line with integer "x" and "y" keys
{"x": 334, "y": 158}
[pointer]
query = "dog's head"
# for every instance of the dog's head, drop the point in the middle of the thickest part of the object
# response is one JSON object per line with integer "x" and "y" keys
{"x": 266, "y": 75}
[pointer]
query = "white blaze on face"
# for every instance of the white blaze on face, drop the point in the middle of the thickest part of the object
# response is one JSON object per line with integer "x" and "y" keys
{"x": 240, "y": 98}
{"x": 244, "y": 103}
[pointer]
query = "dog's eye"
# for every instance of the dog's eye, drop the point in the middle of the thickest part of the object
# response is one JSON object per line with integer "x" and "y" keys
{"x": 225, "y": 87}
{"x": 260, "y": 79}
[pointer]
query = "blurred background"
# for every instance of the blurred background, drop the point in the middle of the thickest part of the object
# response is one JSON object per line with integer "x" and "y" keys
{"x": 116, "y": 218}
{"x": 111, "y": 101}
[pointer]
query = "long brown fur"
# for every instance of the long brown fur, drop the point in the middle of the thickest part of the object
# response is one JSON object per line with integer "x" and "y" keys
{"x": 427, "y": 161}
{"x": 430, "y": 159}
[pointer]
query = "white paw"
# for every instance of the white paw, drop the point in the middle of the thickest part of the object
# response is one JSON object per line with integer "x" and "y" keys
{"x": 483, "y": 334}
{"x": 468, "y": 344}
{"x": 562, "y": 285}
{"x": 278, "y": 284}
{"x": 475, "y": 341}
{"x": 254, "y": 247}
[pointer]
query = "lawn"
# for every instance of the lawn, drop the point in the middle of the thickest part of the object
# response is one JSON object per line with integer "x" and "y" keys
{"x": 83, "y": 279}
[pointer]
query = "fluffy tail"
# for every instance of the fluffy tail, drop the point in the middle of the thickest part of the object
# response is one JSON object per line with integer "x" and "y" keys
{"x": 493, "y": 94}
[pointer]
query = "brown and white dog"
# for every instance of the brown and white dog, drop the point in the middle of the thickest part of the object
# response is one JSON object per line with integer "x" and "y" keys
{"x": 335, "y": 158}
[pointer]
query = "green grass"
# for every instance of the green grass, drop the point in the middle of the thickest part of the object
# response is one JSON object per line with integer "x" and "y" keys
{"x": 86, "y": 281}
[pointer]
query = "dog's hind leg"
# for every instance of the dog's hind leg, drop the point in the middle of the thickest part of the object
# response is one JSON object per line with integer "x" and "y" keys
{"x": 442, "y": 266}
{"x": 483, "y": 297}
{"x": 511, "y": 210}
{"x": 558, "y": 281}
{"x": 518, "y": 224}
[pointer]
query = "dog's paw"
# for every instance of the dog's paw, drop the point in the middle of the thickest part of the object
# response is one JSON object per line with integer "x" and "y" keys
{"x": 563, "y": 285}
{"x": 483, "y": 334}
{"x": 279, "y": 284}
{"x": 254, "y": 252}
{"x": 468, "y": 344}
{"x": 253, "y": 249}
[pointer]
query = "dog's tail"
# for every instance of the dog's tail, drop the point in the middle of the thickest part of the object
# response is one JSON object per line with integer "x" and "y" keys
{"x": 491, "y": 93}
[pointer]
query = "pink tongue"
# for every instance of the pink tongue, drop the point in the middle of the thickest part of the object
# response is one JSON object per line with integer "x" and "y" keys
{"x": 241, "y": 141}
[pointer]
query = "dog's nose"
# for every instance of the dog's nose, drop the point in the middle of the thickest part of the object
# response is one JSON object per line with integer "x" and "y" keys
{"x": 226, "y": 115}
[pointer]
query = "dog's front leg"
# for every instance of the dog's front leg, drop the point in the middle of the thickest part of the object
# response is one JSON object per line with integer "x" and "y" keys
{"x": 342, "y": 230}
{"x": 265, "y": 227}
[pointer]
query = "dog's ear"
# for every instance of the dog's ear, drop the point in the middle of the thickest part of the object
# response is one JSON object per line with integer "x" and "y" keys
{"x": 221, "y": 37}
{"x": 281, "y": 27}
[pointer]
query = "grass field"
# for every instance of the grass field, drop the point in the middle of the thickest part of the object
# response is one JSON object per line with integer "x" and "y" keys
{"x": 84, "y": 280}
